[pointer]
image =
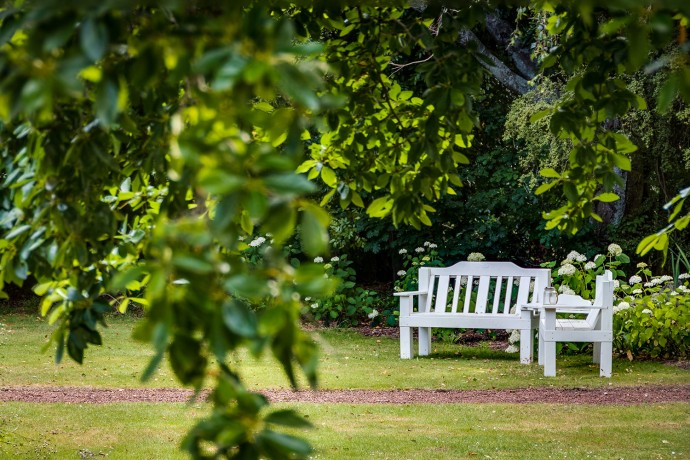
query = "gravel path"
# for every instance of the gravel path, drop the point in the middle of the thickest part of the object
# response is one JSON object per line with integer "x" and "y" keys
{"x": 598, "y": 396}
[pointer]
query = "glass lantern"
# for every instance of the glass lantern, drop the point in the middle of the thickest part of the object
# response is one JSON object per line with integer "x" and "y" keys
{"x": 550, "y": 296}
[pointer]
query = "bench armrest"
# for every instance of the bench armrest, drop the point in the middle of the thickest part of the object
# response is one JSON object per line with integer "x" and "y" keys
{"x": 408, "y": 293}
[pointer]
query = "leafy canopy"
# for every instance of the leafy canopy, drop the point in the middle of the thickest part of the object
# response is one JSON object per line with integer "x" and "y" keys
{"x": 143, "y": 145}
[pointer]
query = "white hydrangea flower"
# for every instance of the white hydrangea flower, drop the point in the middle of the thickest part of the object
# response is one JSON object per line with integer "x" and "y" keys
{"x": 514, "y": 336}
{"x": 402, "y": 273}
{"x": 572, "y": 256}
{"x": 649, "y": 284}
{"x": 621, "y": 307}
{"x": 637, "y": 291}
{"x": 641, "y": 265}
{"x": 635, "y": 279}
{"x": 374, "y": 313}
{"x": 432, "y": 246}
{"x": 615, "y": 250}
{"x": 335, "y": 259}
{"x": 590, "y": 266}
{"x": 647, "y": 311}
{"x": 318, "y": 260}
{"x": 565, "y": 289}
{"x": 666, "y": 278}
{"x": 475, "y": 257}
{"x": 419, "y": 250}
{"x": 684, "y": 276}
{"x": 240, "y": 238}
{"x": 427, "y": 243}
{"x": 683, "y": 289}
{"x": 512, "y": 349}
{"x": 402, "y": 251}
{"x": 255, "y": 243}
{"x": 581, "y": 258}
{"x": 314, "y": 305}
{"x": 567, "y": 269}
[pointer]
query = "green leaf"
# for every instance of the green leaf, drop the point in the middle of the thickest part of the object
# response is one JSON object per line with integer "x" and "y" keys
{"x": 289, "y": 183}
{"x": 93, "y": 37}
{"x": 279, "y": 445}
{"x": 219, "y": 182}
{"x": 314, "y": 226}
{"x": 329, "y": 177}
{"x": 607, "y": 197}
{"x": 380, "y": 207}
{"x": 544, "y": 187}
{"x": 239, "y": 319}
{"x": 550, "y": 172}
{"x": 106, "y": 104}
{"x": 287, "y": 417}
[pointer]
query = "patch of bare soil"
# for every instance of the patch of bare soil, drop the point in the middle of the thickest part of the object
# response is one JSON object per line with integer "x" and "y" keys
{"x": 609, "y": 395}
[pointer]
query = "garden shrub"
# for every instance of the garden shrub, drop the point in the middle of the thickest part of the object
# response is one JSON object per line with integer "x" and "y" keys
{"x": 651, "y": 313}
{"x": 653, "y": 318}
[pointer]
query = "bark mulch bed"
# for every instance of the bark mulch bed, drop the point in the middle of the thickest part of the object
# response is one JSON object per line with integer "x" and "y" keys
{"x": 608, "y": 395}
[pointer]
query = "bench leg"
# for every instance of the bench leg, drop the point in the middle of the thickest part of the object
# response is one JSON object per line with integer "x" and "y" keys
{"x": 424, "y": 341}
{"x": 605, "y": 359}
{"x": 526, "y": 345}
{"x": 540, "y": 350}
{"x": 596, "y": 355}
{"x": 549, "y": 359}
{"x": 405, "y": 342}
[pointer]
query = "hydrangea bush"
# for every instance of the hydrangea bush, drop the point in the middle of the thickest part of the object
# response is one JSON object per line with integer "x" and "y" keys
{"x": 651, "y": 313}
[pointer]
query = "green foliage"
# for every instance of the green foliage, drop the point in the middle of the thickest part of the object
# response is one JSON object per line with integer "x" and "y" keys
{"x": 348, "y": 305}
{"x": 140, "y": 145}
{"x": 653, "y": 316}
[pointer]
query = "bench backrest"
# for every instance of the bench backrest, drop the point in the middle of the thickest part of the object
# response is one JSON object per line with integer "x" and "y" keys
{"x": 481, "y": 287}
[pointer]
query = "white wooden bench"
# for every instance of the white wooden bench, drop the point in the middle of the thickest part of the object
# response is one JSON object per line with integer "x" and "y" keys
{"x": 472, "y": 295}
{"x": 596, "y": 327}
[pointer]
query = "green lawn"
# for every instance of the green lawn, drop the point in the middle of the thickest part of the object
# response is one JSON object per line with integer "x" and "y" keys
{"x": 349, "y": 360}
{"x": 344, "y": 431}
{"x": 144, "y": 431}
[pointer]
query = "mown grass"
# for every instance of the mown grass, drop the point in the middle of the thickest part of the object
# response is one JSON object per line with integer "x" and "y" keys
{"x": 348, "y": 361}
{"x": 344, "y": 431}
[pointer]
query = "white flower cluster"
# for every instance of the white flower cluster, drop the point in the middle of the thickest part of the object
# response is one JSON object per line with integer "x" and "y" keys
{"x": 615, "y": 250}
{"x": 256, "y": 242}
{"x": 402, "y": 251}
{"x": 419, "y": 250}
{"x": 430, "y": 245}
{"x": 402, "y": 273}
{"x": 475, "y": 257}
{"x": 666, "y": 278}
{"x": 565, "y": 289}
{"x": 567, "y": 269}
{"x": 335, "y": 259}
{"x": 683, "y": 289}
{"x": 318, "y": 260}
{"x": 637, "y": 291}
{"x": 684, "y": 276}
{"x": 590, "y": 266}
{"x": 635, "y": 279}
{"x": 374, "y": 313}
{"x": 641, "y": 265}
{"x": 513, "y": 339}
{"x": 647, "y": 311}
{"x": 575, "y": 256}
{"x": 621, "y": 307}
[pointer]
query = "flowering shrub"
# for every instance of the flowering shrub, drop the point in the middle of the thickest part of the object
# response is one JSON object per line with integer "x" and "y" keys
{"x": 651, "y": 313}
{"x": 423, "y": 256}
{"x": 653, "y": 317}
{"x": 577, "y": 275}
{"x": 350, "y": 303}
